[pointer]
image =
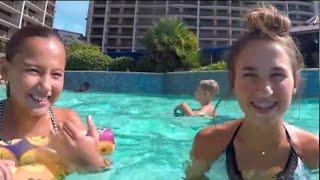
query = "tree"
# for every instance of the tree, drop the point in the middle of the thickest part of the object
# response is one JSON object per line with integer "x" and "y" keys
{"x": 86, "y": 57}
{"x": 171, "y": 45}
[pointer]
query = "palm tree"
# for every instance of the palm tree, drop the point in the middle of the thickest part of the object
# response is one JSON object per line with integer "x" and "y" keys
{"x": 171, "y": 45}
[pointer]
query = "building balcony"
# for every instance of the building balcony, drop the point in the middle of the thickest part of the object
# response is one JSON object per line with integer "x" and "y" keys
{"x": 121, "y": 5}
{"x": 222, "y": 3}
{"x": 6, "y": 18}
{"x": 222, "y": 25}
{"x": 14, "y": 7}
{"x": 120, "y": 34}
{"x": 48, "y": 22}
{"x": 236, "y": 36}
{"x": 121, "y": 15}
{"x": 50, "y": 10}
{"x": 223, "y": 14}
{"x": 100, "y": 2}
{"x": 96, "y": 36}
{"x": 206, "y": 13}
{"x": 118, "y": 46}
{"x": 32, "y": 19}
{"x": 183, "y": 2}
{"x": 9, "y": 3}
{"x": 37, "y": 5}
{"x": 146, "y": 5}
{"x": 301, "y": 12}
{"x": 206, "y": 3}
{"x": 205, "y": 36}
{"x": 52, "y": 2}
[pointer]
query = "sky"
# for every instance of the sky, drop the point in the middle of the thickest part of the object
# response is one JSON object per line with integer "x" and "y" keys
{"x": 71, "y": 16}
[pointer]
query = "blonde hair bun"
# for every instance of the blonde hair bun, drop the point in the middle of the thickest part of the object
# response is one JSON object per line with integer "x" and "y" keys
{"x": 268, "y": 21}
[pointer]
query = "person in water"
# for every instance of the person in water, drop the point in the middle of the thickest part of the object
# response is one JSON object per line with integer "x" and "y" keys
{"x": 45, "y": 141}
{"x": 204, "y": 93}
{"x": 264, "y": 71}
{"x": 84, "y": 87}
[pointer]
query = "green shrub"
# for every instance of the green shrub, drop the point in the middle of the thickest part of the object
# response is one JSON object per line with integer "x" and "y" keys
{"x": 122, "y": 64}
{"x": 86, "y": 57}
{"x": 221, "y": 65}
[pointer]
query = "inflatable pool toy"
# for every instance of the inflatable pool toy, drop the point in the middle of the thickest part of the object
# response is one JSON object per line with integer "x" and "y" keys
{"x": 106, "y": 145}
{"x": 35, "y": 162}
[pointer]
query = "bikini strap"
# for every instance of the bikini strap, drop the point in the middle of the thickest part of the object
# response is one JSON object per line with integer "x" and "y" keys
{"x": 231, "y": 162}
{"x": 53, "y": 119}
{"x": 236, "y": 132}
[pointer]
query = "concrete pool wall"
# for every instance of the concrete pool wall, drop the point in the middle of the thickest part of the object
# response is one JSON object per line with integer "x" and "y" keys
{"x": 171, "y": 83}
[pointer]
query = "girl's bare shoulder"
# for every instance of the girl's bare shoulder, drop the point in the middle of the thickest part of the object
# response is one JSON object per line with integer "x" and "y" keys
{"x": 306, "y": 145}
{"x": 210, "y": 142}
{"x": 66, "y": 114}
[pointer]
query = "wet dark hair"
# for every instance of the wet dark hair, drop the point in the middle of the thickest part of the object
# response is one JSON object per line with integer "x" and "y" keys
{"x": 17, "y": 41}
{"x": 86, "y": 84}
{"x": 267, "y": 24}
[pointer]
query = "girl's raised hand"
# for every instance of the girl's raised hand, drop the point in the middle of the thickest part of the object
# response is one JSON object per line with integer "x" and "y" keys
{"x": 78, "y": 148}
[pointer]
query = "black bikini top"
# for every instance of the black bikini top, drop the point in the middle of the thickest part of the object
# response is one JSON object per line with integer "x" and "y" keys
{"x": 232, "y": 167}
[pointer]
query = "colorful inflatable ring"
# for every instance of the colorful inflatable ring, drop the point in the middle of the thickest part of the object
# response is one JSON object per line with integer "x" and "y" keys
{"x": 106, "y": 145}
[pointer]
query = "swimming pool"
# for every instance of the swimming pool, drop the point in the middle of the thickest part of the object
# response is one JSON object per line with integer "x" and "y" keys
{"x": 150, "y": 142}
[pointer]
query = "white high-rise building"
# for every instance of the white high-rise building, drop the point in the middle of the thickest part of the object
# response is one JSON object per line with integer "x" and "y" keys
{"x": 117, "y": 25}
{"x": 15, "y": 14}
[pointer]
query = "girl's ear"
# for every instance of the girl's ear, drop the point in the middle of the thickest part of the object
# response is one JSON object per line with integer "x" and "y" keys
{"x": 207, "y": 93}
{"x": 297, "y": 80}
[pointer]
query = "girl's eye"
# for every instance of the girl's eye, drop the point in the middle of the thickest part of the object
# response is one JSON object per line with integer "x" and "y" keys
{"x": 57, "y": 75}
{"x": 249, "y": 75}
{"x": 277, "y": 75}
{"x": 33, "y": 71}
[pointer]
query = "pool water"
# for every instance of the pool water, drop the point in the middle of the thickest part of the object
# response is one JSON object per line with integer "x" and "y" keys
{"x": 150, "y": 142}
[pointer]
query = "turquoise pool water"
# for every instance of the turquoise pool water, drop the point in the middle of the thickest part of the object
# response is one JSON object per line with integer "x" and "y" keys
{"x": 150, "y": 142}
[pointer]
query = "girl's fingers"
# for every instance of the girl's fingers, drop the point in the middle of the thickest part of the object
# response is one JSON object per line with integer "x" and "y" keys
{"x": 72, "y": 129}
{"x": 6, "y": 173}
{"x": 9, "y": 162}
{"x": 92, "y": 130}
{"x": 66, "y": 136}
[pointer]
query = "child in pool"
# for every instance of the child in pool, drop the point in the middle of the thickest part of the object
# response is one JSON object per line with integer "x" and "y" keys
{"x": 34, "y": 68}
{"x": 264, "y": 66}
{"x": 84, "y": 87}
{"x": 204, "y": 93}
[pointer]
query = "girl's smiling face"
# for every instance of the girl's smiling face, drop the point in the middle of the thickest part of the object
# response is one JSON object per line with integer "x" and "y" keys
{"x": 36, "y": 74}
{"x": 263, "y": 81}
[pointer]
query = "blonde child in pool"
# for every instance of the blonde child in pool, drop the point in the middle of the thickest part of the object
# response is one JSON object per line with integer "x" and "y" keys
{"x": 34, "y": 68}
{"x": 204, "y": 93}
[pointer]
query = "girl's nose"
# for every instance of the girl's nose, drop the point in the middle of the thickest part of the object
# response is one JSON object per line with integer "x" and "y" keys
{"x": 264, "y": 89}
{"x": 45, "y": 83}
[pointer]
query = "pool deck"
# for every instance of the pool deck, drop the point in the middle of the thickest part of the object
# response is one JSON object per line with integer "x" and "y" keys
{"x": 173, "y": 82}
